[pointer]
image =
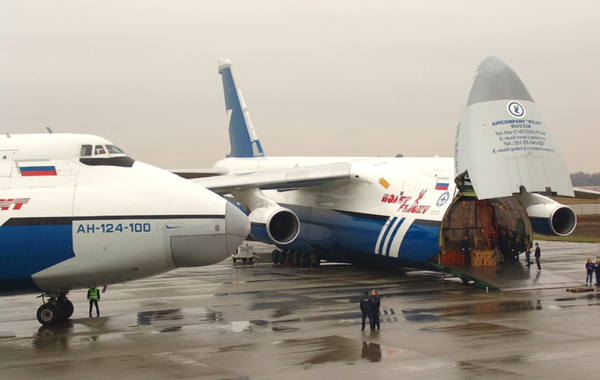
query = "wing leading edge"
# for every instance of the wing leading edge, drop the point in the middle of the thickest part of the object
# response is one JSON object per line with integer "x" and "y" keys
{"x": 278, "y": 179}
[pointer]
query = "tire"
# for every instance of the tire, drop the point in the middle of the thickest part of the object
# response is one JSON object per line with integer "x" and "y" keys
{"x": 244, "y": 260}
{"x": 294, "y": 258}
{"x": 284, "y": 258}
{"x": 275, "y": 256}
{"x": 305, "y": 260}
{"x": 298, "y": 262}
{"x": 48, "y": 314}
{"x": 315, "y": 262}
{"x": 234, "y": 260}
{"x": 68, "y": 309}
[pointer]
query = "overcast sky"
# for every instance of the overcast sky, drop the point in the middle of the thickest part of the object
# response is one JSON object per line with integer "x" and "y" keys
{"x": 329, "y": 78}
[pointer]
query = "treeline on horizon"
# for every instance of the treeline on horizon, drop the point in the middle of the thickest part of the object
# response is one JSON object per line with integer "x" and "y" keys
{"x": 585, "y": 179}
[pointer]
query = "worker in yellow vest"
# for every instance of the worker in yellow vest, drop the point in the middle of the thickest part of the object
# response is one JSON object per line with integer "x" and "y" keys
{"x": 93, "y": 295}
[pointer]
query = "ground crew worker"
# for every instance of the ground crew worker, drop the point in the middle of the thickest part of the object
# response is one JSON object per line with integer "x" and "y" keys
{"x": 376, "y": 304}
{"x": 537, "y": 254}
{"x": 597, "y": 270}
{"x": 366, "y": 307}
{"x": 515, "y": 249}
{"x": 93, "y": 295}
{"x": 499, "y": 258}
{"x": 528, "y": 252}
{"x": 466, "y": 250}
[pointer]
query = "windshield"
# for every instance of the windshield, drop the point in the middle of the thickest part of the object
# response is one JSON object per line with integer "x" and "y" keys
{"x": 112, "y": 149}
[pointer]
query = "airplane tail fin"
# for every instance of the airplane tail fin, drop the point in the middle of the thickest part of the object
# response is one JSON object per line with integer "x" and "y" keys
{"x": 502, "y": 142}
{"x": 242, "y": 137}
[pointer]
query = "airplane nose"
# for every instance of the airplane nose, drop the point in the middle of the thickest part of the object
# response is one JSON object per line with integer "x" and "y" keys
{"x": 237, "y": 227}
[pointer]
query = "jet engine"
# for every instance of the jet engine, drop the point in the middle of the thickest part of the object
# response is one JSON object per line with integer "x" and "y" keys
{"x": 275, "y": 224}
{"x": 548, "y": 217}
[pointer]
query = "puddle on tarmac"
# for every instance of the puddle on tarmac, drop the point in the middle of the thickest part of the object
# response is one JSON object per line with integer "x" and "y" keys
{"x": 146, "y": 318}
{"x": 285, "y": 329}
{"x": 339, "y": 349}
{"x": 489, "y": 309}
{"x": 241, "y": 347}
{"x": 478, "y": 329}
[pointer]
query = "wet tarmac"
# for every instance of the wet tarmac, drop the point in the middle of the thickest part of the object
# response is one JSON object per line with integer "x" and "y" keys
{"x": 267, "y": 322}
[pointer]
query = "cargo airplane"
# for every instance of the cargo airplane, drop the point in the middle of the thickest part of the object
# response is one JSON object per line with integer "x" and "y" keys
{"x": 76, "y": 211}
{"x": 406, "y": 211}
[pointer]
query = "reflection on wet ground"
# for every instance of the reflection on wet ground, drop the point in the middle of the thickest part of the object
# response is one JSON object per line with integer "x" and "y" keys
{"x": 267, "y": 322}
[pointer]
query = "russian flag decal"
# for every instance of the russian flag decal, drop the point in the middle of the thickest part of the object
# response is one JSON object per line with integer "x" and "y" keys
{"x": 442, "y": 184}
{"x": 36, "y": 168}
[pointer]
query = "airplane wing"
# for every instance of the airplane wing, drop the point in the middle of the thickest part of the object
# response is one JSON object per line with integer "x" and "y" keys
{"x": 278, "y": 179}
{"x": 586, "y": 194}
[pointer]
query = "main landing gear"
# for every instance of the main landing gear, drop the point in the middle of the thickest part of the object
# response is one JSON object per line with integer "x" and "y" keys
{"x": 56, "y": 309}
{"x": 286, "y": 257}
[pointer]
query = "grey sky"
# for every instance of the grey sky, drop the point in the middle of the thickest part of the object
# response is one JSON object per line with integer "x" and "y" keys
{"x": 350, "y": 78}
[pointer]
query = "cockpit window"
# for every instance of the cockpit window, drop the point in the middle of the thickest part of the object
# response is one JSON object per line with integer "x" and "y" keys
{"x": 86, "y": 150}
{"x": 112, "y": 149}
{"x": 105, "y": 155}
{"x": 99, "y": 150}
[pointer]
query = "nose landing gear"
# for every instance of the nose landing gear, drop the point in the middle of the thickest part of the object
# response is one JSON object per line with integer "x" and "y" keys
{"x": 57, "y": 309}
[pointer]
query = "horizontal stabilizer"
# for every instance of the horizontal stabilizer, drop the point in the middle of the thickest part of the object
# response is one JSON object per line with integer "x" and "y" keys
{"x": 502, "y": 141}
{"x": 277, "y": 179}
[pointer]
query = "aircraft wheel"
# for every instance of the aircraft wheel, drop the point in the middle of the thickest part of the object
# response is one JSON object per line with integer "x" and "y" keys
{"x": 305, "y": 260}
{"x": 275, "y": 256}
{"x": 68, "y": 308}
{"x": 61, "y": 311}
{"x": 294, "y": 258}
{"x": 315, "y": 262}
{"x": 284, "y": 258}
{"x": 48, "y": 314}
{"x": 234, "y": 260}
{"x": 244, "y": 260}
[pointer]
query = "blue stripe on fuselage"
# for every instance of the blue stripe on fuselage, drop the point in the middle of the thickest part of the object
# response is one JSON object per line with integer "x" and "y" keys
{"x": 387, "y": 230}
{"x": 26, "y": 249}
{"x": 389, "y": 246}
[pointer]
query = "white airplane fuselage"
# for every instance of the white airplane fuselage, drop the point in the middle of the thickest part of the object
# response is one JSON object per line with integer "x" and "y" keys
{"x": 71, "y": 217}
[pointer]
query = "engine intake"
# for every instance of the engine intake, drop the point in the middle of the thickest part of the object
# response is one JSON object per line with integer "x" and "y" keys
{"x": 548, "y": 217}
{"x": 277, "y": 225}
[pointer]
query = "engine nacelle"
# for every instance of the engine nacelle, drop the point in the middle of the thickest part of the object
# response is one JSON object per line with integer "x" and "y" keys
{"x": 277, "y": 225}
{"x": 548, "y": 217}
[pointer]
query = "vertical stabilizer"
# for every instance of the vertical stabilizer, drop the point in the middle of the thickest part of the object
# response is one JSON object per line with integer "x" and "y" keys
{"x": 242, "y": 137}
{"x": 502, "y": 142}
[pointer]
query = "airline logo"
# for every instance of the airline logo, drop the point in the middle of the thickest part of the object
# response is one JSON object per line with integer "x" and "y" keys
{"x": 13, "y": 204}
{"x": 516, "y": 109}
{"x": 36, "y": 168}
{"x": 404, "y": 203}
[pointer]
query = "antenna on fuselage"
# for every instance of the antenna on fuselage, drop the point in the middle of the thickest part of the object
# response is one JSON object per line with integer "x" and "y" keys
{"x": 49, "y": 130}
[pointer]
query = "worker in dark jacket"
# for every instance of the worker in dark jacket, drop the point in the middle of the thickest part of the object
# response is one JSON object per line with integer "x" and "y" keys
{"x": 466, "y": 250}
{"x": 366, "y": 307}
{"x": 515, "y": 249}
{"x": 376, "y": 304}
